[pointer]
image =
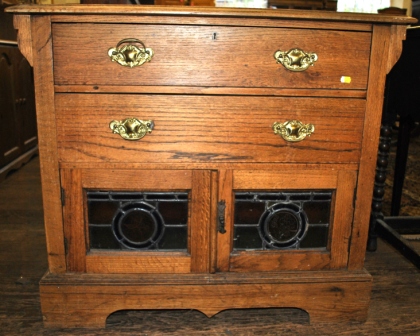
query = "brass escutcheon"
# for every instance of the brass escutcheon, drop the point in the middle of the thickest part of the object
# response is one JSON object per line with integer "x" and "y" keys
{"x": 295, "y": 59}
{"x": 293, "y": 130}
{"x": 130, "y": 55}
{"x": 131, "y": 128}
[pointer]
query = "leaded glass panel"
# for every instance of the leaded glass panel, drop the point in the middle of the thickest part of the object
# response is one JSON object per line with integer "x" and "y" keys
{"x": 138, "y": 220}
{"x": 282, "y": 220}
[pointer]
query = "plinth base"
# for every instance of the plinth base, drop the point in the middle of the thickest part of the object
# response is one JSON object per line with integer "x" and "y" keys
{"x": 86, "y": 300}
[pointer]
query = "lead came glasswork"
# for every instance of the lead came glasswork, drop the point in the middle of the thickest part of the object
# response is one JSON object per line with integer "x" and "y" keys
{"x": 282, "y": 225}
{"x": 281, "y": 220}
{"x": 138, "y": 225}
{"x": 138, "y": 220}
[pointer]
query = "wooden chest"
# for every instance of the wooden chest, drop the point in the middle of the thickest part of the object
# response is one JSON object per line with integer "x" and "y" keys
{"x": 202, "y": 158}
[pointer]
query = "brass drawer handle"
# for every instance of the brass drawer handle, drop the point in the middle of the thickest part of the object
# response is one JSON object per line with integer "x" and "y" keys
{"x": 130, "y": 55}
{"x": 293, "y": 130}
{"x": 295, "y": 59}
{"x": 131, "y": 128}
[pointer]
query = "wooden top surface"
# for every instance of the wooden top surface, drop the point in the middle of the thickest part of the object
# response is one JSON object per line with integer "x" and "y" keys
{"x": 209, "y": 12}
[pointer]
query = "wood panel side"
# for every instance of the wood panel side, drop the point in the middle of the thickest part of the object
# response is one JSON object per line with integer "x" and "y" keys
{"x": 215, "y": 21}
{"x": 379, "y": 62}
{"x": 45, "y": 109}
{"x": 326, "y": 302}
{"x": 136, "y": 263}
{"x": 130, "y": 179}
{"x": 280, "y": 261}
{"x": 213, "y": 220}
{"x": 343, "y": 218}
{"x": 74, "y": 222}
{"x": 230, "y": 13}
{"x": 200, "y": 222}
{"x": 200, "y": 90}
{"x": 204, "y": 128}
{"x": 285, "y": 179}
{"x": 176, "y": 63}
{"x": 22, "y": 24}
{"x": 398, "y": 34}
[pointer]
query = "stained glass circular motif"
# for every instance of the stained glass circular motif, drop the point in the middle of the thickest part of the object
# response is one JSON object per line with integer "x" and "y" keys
{"x": 283, "y": 225}
{"x": 138, "y": 225}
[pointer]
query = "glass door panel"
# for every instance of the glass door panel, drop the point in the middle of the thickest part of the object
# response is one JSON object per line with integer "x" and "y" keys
{"x": 137, "y": 221}
{"x": 288, "y": 220}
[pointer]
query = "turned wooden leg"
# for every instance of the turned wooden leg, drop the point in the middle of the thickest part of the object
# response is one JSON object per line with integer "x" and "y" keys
{"x": 379, "y": 186}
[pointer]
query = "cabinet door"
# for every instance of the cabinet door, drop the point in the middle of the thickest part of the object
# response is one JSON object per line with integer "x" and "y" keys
{"x": 137, "y": 221}
{"x": 25, "y": 94}
{"x": 9, "y": 132}
{"x": 285, "y": 220}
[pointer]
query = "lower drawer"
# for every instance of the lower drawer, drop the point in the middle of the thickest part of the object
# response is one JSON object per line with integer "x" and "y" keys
{"x": 207, "y": 128}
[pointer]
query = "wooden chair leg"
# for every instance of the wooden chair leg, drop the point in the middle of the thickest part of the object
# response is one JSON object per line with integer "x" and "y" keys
{"x": 400, "y": 164}
{"x": 380, "y": 177}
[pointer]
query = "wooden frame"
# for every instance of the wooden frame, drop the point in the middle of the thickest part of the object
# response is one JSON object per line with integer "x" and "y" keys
{"x": 79, "y": 259}
{"x": 342, "y": 182}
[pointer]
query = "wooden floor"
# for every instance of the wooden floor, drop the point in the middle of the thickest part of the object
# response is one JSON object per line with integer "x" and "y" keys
{"x": 394, "y": 309}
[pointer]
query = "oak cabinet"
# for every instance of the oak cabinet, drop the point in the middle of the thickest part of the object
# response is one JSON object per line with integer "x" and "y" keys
{"x": 187, "y": 159}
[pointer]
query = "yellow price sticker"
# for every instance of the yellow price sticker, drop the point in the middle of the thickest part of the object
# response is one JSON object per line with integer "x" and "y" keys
{"x": 345, "y": 79}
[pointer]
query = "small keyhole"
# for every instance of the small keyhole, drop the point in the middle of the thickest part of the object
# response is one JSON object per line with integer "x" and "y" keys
{"x": 214, "y": 36}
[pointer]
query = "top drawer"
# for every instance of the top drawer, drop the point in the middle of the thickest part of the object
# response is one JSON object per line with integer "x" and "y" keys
{"x": 215, "y": 56}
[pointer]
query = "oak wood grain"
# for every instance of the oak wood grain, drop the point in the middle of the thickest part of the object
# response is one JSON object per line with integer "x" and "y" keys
{"x": 75, "y": 305}
{"x": 212, "y": 12}
{"x": 225, "y": 239}
{"x": 284, "y": 179}
{"x": 398, "y": 35}
{"x": 46, "y": 123}
{"x": 213, "y": 222}
{"x": 393, "y": 308}
{"x": 342, "y": 182}
{"x": 212, "y": 138}
{"x": 226, "y": 56}
{"x": 214, "y": 20}
{"x": 342, "y": 219}
{"x": 74, "y": 219}
{"x": 130, "y": 179}
{"x": 81, "y": 258}
{"x": 22, "y": 25}
{"x": 199, "y": 229}
{"x": 198, "y": 90}
{"x": 211, "y": 165}
{"x": 232, "y": 129}
{"x": 379, "y": 57}
{"x": 269, "y": 261}
{"x": 135, "y": 263}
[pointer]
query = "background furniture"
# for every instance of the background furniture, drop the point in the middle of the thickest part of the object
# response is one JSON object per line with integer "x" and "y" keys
{"x": 210, "y": 3}
{"x": 304, "y": 4}
{"x": 402, "y": 99}
{"x": 18, "y": 135}
{"x": 251, "y": 180}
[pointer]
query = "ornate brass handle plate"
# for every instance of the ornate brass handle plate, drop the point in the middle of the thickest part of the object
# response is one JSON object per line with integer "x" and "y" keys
{"x": 293, "y": 130}
{"x": 131, "y": 128}
{"x": 130, "y": 55}
{"x": 295, "y": 59}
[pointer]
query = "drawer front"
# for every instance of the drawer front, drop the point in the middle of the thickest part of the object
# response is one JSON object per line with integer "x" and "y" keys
{"x": 207, "y": 128}
{"x": 210, "y": 56}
